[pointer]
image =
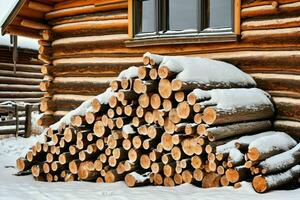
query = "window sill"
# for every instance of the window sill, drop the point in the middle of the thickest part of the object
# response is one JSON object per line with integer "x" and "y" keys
{"x": 140, "y": 42}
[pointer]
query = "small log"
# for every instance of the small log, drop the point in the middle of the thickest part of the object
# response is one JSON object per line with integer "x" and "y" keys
{"x": 237, "y": 174}
{"x": 211, "y": 180}
{"x": 135, "y": 179}
{"x": 165, "y": 88}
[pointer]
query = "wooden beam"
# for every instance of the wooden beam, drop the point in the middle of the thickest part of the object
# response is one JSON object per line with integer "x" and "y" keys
{"x": 34, "y": 25}
{"x": 26, "y": 32}
{"x": 237, "y": 17}
{"x": 39, "y": 6}
{"x": 130, "y": 18}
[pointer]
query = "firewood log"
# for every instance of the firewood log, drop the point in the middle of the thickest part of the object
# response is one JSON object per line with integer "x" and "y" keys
{"x": 264, "y": 183}
{"x": 135, "y": 179}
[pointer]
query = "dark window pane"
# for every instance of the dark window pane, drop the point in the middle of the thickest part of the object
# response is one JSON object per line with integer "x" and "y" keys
{"x": 183, "y": 14}
{"x": 145, "y": 13}
{"x": 220, "y": 13}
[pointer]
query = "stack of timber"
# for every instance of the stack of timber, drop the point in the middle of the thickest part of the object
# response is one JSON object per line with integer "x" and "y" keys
{"x": 89, "y": 39}
{"x": 168, "y": 123}
{"x": 22, "y": 85}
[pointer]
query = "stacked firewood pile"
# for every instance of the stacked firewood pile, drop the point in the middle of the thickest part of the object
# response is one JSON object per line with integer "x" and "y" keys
{"x": 161, "y": 124}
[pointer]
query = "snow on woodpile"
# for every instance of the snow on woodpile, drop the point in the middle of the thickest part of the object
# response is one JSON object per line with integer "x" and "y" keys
{"x": 225, "y": 148}
{"x": 83, "y": 108}
{"x": 235, "y": 98}
{"x": 204, "y": 71}
{"x": 275, "y": 180}
{"x": 131, "y": 72}
{"x": 279, "y": 141}
{"x": 128, "y": 129}
{"x": 282, "y": 161}
{"x": 235, "y": 155}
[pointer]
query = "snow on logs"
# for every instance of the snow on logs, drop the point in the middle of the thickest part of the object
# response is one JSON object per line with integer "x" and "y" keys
{"x": 169, "y": 123}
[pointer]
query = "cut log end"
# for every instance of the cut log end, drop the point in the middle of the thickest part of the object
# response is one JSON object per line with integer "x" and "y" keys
{"x": 253, "y": 154}
{"x": 260, "y": 184}
{"x": 209, "y": 115}
{"x": 164, "y": 88}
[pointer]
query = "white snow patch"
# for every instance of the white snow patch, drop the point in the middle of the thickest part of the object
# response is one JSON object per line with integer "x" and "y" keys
{"x": 282, "y": 177}
{"x": 282, "y": 160}
{"x": 140, "y": 177}
{"x": 235, "y": 97}
{"x": 129, "y": 73}
{"x": 235, "y": 155}
{"x": 277, "y": 141}
{"x": 103, "y": 98}
{"x": 157, "y": 58}
{"x": 128, "y": 129}
{"x": 225, "y": 148}
{"x": 203, "y": 70}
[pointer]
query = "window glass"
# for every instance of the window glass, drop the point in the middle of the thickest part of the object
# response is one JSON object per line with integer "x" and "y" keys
{"x": 147, "y": 12}
{"x": 220, "y": 13}
{"x": 183, "y": 14}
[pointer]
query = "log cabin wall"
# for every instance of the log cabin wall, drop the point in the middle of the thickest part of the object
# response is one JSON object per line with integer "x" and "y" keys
{"x": 85, "y": 48}
{"x": 24, "y": 84}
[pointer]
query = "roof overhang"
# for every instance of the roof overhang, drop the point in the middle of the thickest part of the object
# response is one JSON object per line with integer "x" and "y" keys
{"x": 12, "y": 15}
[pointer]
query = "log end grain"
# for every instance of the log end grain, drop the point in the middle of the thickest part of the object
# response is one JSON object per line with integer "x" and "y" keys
{"x": 260, "y": 184}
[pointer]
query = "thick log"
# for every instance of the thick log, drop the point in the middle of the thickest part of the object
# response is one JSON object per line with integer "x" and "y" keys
{"x": 20, "y": 88}
{"x": 277, "y": 82}
{"x": 20, "y": 74}
{"x": 25, "y": 32}
{"x": 264, "y": 183}
{"x": 89, "y": 25}
{"x": 39, "y": 6}
{"x": 96, "y": 61}
{"x": 221, "y": 132}
{"x": 281, "y": 142}
{"x": 18, "y": 94}
{"x": 290, "y": 127}
{"x": 286, "y": 22}
{"x": 79, "y": 85}
{"x": 178, "y": 85}
{"x": 215, "y": 115}
{"x": 110, "y": 15}
{"x": 270, "y": 9}
{"x": 287, "y": 108}
{"x": 85, "y": 9}
{"x": 281, "y": 162}
{"x": 34, "y": 25}
{"x": 21, "y": 67}
{"x": 271, "y": 34}
{"x": 9, "y": 80}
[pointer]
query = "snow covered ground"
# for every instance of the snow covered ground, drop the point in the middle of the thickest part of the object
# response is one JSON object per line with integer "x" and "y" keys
{"x": 13, "y": 187}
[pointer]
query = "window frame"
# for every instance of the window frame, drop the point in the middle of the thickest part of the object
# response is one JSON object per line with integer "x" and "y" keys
{"x": 204, "y": 36}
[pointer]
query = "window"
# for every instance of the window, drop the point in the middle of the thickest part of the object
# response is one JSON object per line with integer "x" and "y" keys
{"x": 182, "y": 18}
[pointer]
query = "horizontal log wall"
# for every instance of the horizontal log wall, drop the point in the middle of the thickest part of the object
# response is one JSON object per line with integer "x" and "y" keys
{"x": 89, "y": 41}
{"x": 24, "y": 84}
